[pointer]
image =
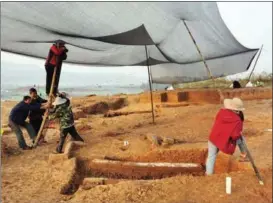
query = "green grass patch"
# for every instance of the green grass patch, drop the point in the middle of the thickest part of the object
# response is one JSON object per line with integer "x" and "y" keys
{"x": 264, "y": 80}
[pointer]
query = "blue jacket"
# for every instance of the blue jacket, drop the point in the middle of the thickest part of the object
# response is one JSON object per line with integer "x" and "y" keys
{"x": 20, "y": 112}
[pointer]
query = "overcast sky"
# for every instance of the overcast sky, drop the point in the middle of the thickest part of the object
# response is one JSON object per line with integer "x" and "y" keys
{"x": 250, "y": 23}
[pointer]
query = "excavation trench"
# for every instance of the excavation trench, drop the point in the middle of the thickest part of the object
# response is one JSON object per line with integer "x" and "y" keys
{"x": 157, "y": 165}
{"x": 88, "y": 173}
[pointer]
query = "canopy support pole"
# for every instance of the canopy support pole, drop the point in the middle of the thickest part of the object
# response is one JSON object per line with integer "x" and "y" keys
{"x": 204, "y": 61}
{"x": 150, "y": 85}
{"x": 50, "y": 103}
{"x": 255, "y": 63}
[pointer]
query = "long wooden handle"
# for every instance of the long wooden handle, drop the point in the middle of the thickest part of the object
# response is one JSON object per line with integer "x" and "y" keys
{"x": 50, "y": 103}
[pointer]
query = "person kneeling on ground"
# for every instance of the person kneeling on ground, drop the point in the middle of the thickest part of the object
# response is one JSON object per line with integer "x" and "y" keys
{"x": 63, "y": 111}
{"x": 17, "y": 119}
{"x": 226, "y": 132}
{"x": 36, "y": 116}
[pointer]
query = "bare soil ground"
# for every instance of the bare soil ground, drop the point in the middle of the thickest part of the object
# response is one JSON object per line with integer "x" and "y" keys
{"x": 28, "y": 176}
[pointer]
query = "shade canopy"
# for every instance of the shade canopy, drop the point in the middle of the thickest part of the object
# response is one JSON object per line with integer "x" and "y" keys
{"x": 115, "y": 34}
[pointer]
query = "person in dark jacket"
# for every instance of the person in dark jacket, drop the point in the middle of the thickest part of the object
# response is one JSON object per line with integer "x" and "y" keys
{"x": 236, "y": 84}
{"x": 36, "y": 116}
{"x": 17, "y": 119}
{"x": 63, "y": 111}
{"x": 56, "y": 50}
{"x": 226, "y": 132}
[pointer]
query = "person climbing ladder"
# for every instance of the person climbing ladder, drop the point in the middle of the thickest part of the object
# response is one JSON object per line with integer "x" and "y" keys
{"x": 57, "y": 54}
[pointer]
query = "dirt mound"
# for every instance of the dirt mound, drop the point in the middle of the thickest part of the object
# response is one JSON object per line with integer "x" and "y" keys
{"x": 97, "y": 108}
{"x": 78, "y": 113}
{"x": 118, "y": 103}
{"x": 103, "y": 107}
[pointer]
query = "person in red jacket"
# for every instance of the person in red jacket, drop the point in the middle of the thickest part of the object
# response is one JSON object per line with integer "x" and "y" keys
{"x": 57, "y": 50}
{"x": 226, "y": 132}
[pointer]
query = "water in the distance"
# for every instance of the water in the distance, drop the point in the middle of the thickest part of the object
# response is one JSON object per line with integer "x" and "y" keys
{"x": 17, "y": 79}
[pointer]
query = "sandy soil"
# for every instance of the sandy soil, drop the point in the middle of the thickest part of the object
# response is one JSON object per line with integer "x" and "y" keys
{"x": 27, "y": 177}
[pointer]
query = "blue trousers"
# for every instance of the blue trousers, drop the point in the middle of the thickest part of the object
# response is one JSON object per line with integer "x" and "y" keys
{"x": 212, "y": 154}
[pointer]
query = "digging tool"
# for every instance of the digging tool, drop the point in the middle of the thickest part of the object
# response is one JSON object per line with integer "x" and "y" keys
{"x": 51, "y": 96}
{"x": 252, "y": 163}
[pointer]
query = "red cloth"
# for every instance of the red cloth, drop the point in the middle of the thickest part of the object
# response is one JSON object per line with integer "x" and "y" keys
{"x": 53, "y": 52}
{"x": 226, "y": 130}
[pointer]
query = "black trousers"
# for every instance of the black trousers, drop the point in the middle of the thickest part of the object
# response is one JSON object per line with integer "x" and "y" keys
{"x": 73, "y": 132}
{"x": 49, "y": 76}
{"x": 36, "y": 124}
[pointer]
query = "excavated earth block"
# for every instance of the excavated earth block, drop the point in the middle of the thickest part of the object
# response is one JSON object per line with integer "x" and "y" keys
{"x": 128, "y": 168}
{"x": 210, "y": 96}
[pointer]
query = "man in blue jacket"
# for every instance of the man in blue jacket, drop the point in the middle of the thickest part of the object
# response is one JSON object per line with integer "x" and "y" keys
{"x": 17, "y": 119}
{"x": 36, "y": 116}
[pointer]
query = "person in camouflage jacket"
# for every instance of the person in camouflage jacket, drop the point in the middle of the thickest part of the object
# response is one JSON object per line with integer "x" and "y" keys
{"x": 63, "y": 111}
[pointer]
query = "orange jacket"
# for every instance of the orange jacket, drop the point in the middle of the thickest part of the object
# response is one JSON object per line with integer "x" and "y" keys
{"x": 53, "y": 53}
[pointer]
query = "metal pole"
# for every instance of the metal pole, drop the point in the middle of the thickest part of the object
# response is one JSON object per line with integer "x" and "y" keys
{"x": 50, "y": 102}
{"x": 151, "y": 90}
{"x": 255, "y": 63}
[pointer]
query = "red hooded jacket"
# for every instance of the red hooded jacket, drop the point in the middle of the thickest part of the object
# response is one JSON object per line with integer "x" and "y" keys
{"x": 53, "y": 52}
{"x": 226, "y": 130}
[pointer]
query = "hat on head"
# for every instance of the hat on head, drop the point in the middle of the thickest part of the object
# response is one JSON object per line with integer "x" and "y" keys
{"x": 59, "y": 101}
{"x": 235, "y": 104}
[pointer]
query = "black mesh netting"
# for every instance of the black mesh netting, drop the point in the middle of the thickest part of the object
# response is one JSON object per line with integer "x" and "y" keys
{"x": 115, "y": 34}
